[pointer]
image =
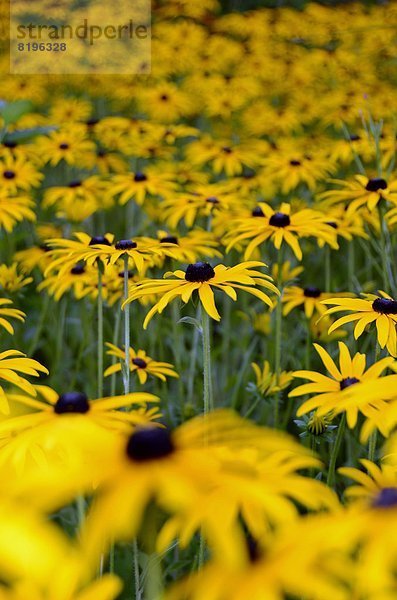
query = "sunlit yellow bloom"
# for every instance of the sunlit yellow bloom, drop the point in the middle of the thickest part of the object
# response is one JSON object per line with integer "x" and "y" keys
{"x": 266, "y": 381}
{"x": 330, "y": 392}
{"x": 371, "y": 484}
{"x": 67, "y": 253}
{"x": 14, "y": 209}
{"x": 201, "y": 277}
{"x": 279, "y": 226}
{"x": 141, "y": 363}
{"x": 319, "y": 330}
{"x": 10, "y": 280}
{"x": 9, "y": 313}
{"x": 13, "y": 362}
{"x": 293, "y": 168}
{"x": 288, "y": 273}
{"x": 18, "y": 174}
{"x": 382, "y": 309}
{"x": 192, "y": 470}
{"x": 68, "y": 144}
{"x": 137, "y": 186}
{"x": 309, "y": 298}
{"x": 362, "y": 191}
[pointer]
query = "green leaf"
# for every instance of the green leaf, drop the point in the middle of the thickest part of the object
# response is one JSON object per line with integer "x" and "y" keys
{"x": 12, "y": 111}
{"x": 191, "y": 321}
{"x": 26, "y": 134}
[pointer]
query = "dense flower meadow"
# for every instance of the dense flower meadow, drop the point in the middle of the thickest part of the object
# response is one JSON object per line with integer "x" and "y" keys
{"x": 198, "y": 310}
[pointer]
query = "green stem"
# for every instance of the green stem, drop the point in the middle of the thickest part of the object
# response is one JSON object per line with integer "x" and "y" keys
{"x": 40, "y": 325}
{"x": 335, "y": 451}
{"x": 327, "y": 268}
{"x": 207, "y": 388}
{"x": 126, "y": 369}
{"x": 192, "y": 366}
{"x": 278, "y": 334}
{"x": 308, "y": 345}
{"x": 100, "y": 335}
{"x": 116, "y": 332}
{"x": 135, "y": 566}
{"x": 383, "y": 248}
{"x": 372, "y": 446}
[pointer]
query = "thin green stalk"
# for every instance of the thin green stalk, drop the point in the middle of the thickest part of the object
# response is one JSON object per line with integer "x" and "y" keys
{"x": 116, "y": 333}
{"x": 207, "y": 388}
{"x": 135, "y": 566}
{"x": 308, "y": 347}
{"x": 327, "y": 268}
{"x": 372, "y": 446}
{"x": 192, "y": 366}
{"x": 40, "y": 325}
{"x": 383, "y": 248}
{"x": 100, "y": 334}
{"x": 335, "y": 451}
{"x": 278, "y": 334}
{"x": 126, "y": 369}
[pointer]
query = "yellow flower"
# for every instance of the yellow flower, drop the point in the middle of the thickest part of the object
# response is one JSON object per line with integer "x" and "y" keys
{"x": 14, "y": 209}
{"x": 18, "y": 174}
{"x": 141, "y": 363}
{"x": 70, "y": 143}
{"x": 310, "y": 297}
{"x": 266, "y": 381}
{"x": 12, "y": 362}
{"x": 7, "y": 313}
{"x": 330, "y": 392}
{"x": 362, "y": 191}
{"x": 202, "y": 277}
{"x": 191, "y": 471}
{"x": 138, "y": 186}
{"x": 279, "y": 226}
{"x": 89, "y": 249}
{"x": 10, "y": 281}
{"x": 382, "y": 309}
{"x": 374, "y": 487}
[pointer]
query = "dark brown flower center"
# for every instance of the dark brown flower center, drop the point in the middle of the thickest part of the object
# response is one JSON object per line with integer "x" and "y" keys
{"x": 311, "y": 292}
{"x": 169, "y": 239}
{"x": 385, "y": 306}
{"x": 149, "y": 444}
{"x": 257, "y": 212}
{"x": 139, "y": 362}
{"x": 72, "y": 402}
{"x": 386, "y": 498}
{"x": 347, "y": 382}
{"x": 77, "y": 270}
{"x": 279, "y": 219}
{"x": 376, "y": 184}
{"x": 332, "y": 224}
{"x": 199, "y": 272}
{"x": 125, "y": 245}
{"x": 212, "y": 200}
{"x": 64, "y": 146}
{"x": 99, "y": 239}
{"x": 74, "y": 184}
{"x": 9, "y": 174}
{"x": 295, "y": 163}
{"x": 139, "y": 176}
{"x": 227, "y": 150}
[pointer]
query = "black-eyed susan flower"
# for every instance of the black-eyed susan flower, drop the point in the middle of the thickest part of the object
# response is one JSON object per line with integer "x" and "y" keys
{"x": 362, "y": 191}
{"x": 267, "y": 382}
{"x": 18, "y": 174}
{"x": 309, "y": 298}
{"x": 191, "y": 247}
{"x": 140, "y": 363}
{"x": 13, "y": 362}
{"x": 203, "y": 277}
{"x": 278, "y": 226}
{"x": 291, "y": 168}
{"x": 6, "y": 313}
{"x": 381, "y": 309}
{"x": 213, "y": 455}
{"x": 141, "y": 184}
{"x": 66, "y": 253}
{"x": 14, "y": 209}
{"x": 330, "y": 391}
{"x": 10, "y": 280}
{"x": 69, "y": 144}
